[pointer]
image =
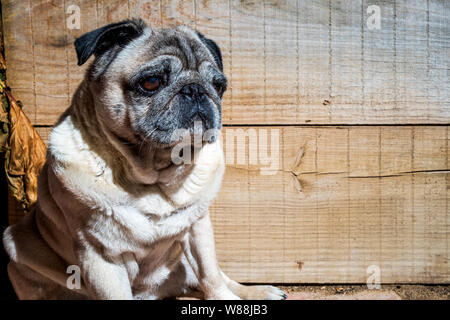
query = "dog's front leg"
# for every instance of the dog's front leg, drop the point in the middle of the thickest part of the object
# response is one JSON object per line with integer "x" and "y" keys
{"x": 201, "y": 254}
{"x": 105, "y": 280}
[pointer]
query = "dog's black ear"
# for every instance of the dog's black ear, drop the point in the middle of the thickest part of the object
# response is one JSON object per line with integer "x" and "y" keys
{"x": 98, "y": 41}
{"x": 214, "y": 49}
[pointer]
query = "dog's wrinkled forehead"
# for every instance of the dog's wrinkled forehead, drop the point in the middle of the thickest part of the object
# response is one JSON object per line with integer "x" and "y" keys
{"x": 180, "y": 43}
{"x": 183, "y": 43}
{"x": 123, "y": 46}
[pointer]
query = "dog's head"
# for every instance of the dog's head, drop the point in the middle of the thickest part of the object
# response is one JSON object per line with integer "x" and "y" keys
{"x": 148, "y": 84}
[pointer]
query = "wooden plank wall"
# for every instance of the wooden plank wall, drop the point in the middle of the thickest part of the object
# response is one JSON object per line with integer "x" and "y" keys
{"x": 359, "y": 118}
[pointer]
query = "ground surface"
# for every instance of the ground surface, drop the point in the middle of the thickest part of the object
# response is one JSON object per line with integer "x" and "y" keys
{"x": 360, "y": 292}
{"x": 336, "y": 292}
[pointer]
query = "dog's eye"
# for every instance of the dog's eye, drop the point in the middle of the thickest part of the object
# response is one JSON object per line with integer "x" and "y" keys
{"x": 220, "y": 85}
{"x": 219, "y": 88}
{"x": 151, "y": 83}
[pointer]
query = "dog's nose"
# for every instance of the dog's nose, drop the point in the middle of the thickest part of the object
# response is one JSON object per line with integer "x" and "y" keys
{"x": 192, "y": 90}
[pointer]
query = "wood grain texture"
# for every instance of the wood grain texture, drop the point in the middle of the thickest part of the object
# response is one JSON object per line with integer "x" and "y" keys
{"x": 342, "y": 199}
{"x": 50, "y": 58}
{"x": 19, "y": 52}
{"x": 288, "y": 61}
{"x": 369, "y": 196}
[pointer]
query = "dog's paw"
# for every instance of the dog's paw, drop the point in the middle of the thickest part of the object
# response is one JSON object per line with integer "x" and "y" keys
{"x": 223, "y": 295}
{"x": 261, "y": 293}
{"x": 228, "y": 296}
{"x": 274, "y": 293}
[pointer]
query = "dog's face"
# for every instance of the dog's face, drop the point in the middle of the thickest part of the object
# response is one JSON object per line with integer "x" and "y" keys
{"x": 149, "y": 84}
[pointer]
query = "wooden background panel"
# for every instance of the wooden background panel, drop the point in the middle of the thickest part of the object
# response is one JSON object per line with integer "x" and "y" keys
{"x": 338, "y": 200}
{"x": 18, "y": 42}
{"x": 357, "y": 197}
{"x": 379, "y": 66}
{"x": 346, "y": 60}
{"x": 247, "y": 72}
{"x": 51, "y": 69}
{"x": 313, "y": 69}
{"x": 288, "y": 61}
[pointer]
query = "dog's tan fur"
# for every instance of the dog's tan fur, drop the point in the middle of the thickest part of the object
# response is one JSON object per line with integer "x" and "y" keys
{"x": 131, "y": 239}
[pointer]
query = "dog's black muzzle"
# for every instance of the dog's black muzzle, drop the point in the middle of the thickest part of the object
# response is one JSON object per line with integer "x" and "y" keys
{"x": 198, "y": 108}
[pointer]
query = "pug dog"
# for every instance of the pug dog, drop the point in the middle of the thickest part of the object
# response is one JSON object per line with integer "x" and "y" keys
{"x": 114, "y": 209}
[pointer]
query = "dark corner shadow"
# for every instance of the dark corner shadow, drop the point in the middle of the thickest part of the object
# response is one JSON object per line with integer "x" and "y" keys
{"x": 6, "y": 289}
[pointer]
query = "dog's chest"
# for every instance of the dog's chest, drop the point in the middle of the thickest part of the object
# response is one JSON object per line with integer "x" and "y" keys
{"x": 155, "y": 266}
{"x": 128, "y": 229}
